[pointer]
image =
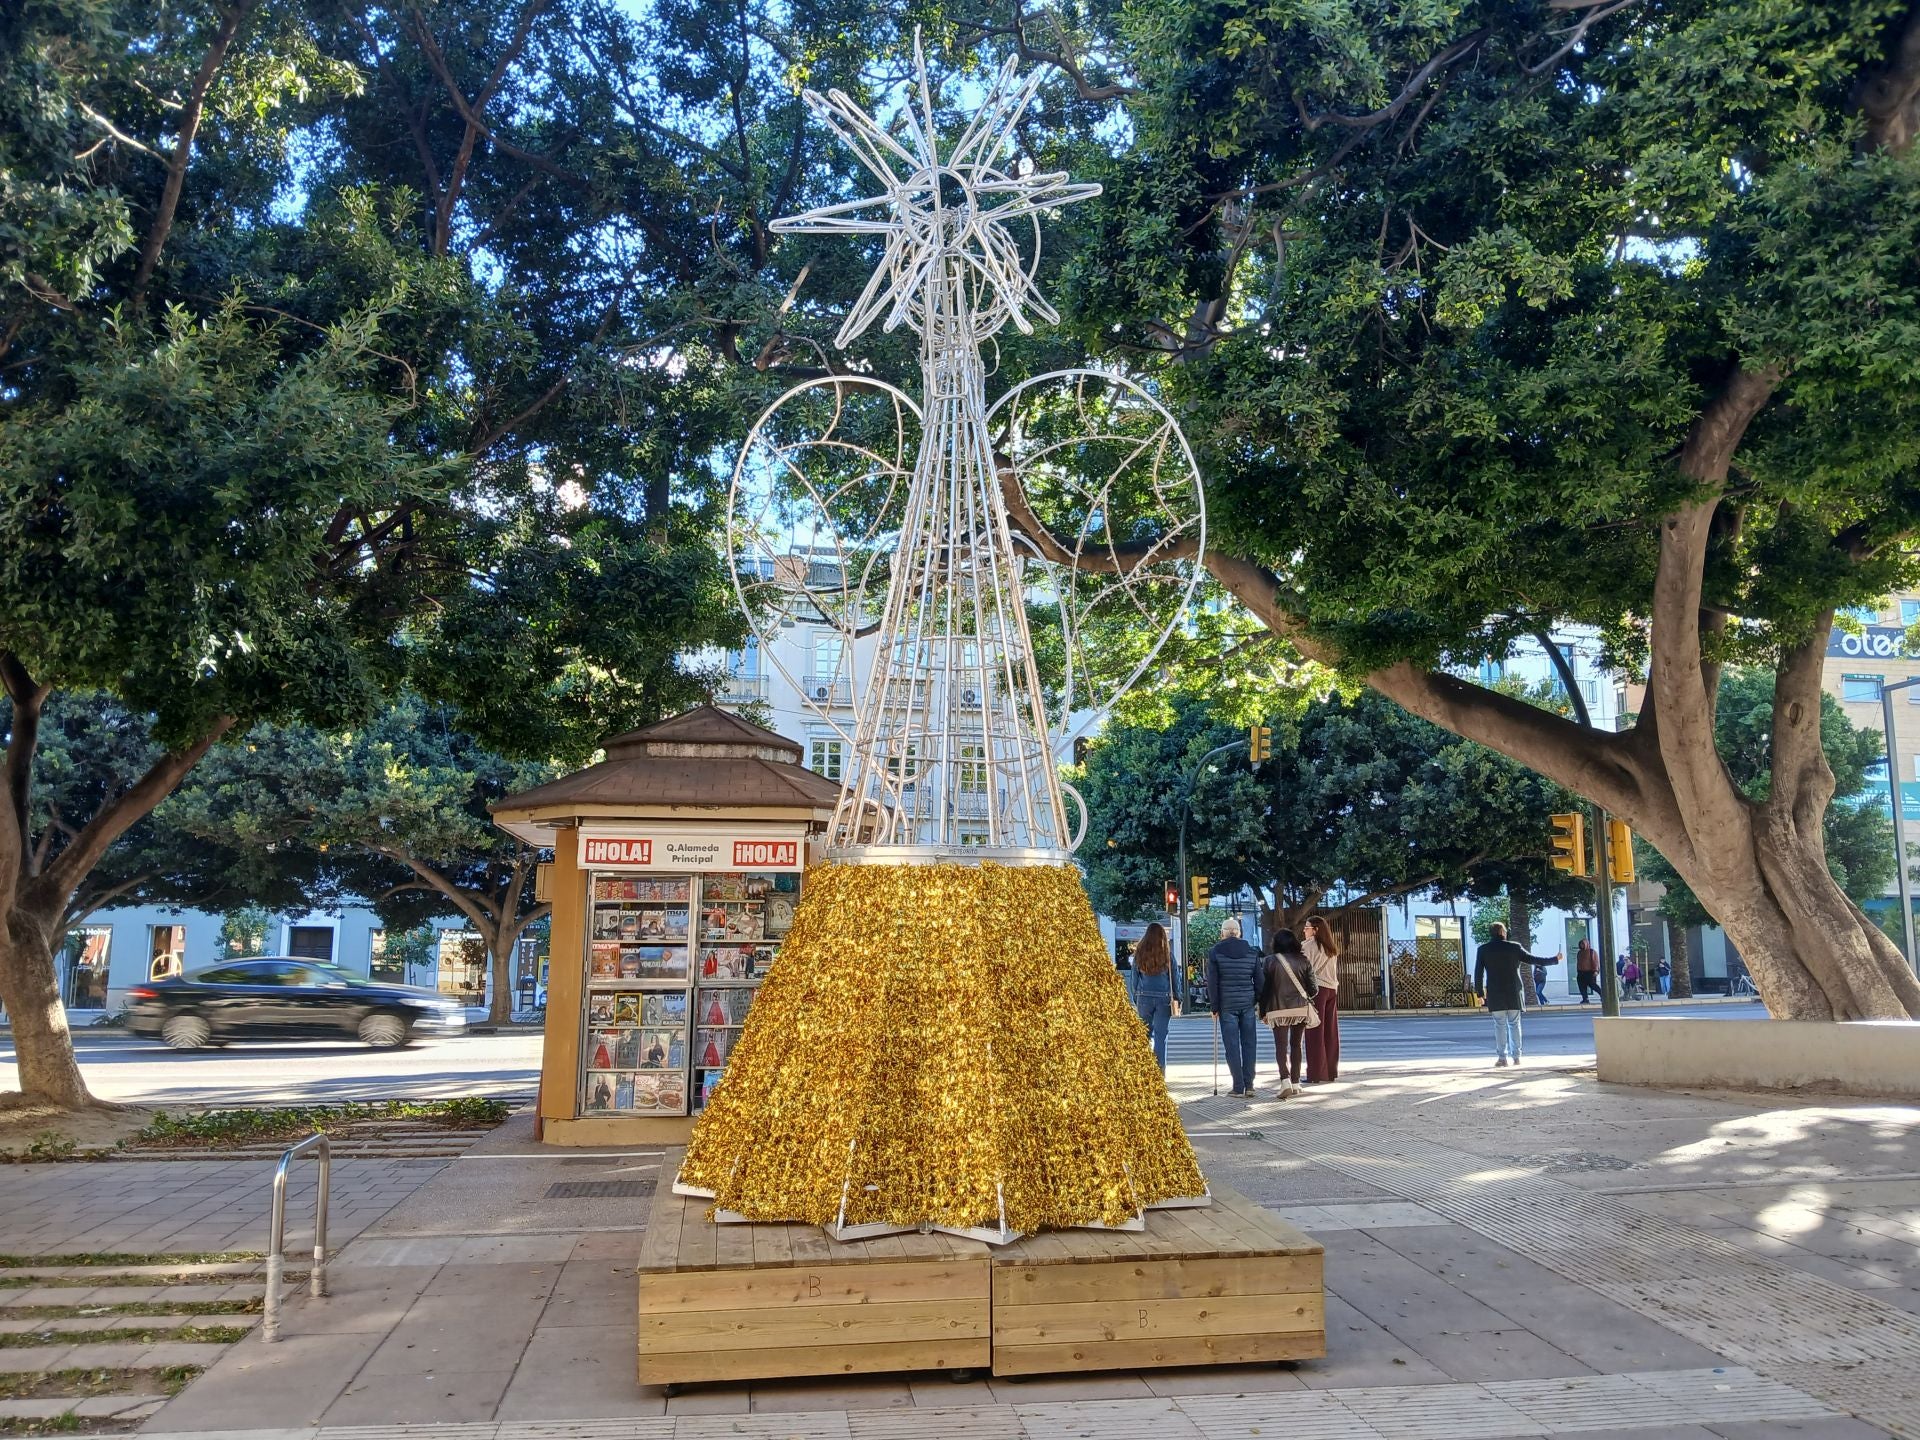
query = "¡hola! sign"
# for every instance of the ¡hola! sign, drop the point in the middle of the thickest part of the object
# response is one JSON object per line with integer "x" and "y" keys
{"x": 689, "y": 852}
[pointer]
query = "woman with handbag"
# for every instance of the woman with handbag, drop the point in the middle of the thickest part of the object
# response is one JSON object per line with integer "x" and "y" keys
{"x": 1150, "y": 987}
{"x": 1323, "y": 1043}
{"x": 1286, "y": 1003}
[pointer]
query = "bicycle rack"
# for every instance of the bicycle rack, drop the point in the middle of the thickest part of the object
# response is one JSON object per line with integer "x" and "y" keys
{"x": 277, "y": 1234}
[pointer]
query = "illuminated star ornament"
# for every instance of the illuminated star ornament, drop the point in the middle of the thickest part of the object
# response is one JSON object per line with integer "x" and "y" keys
{"x": 942, "y": 1042}
{"x": 946, "y": 219}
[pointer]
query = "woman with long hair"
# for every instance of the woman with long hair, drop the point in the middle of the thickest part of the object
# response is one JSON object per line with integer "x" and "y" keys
{"x": 1286, "y": 1003}
{"x": 1150, "y": 987}
{"x": 1323, "y": 1041}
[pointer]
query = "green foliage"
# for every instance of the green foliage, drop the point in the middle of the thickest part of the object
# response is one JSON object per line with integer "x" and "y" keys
{"x": 1858, "y": 833}
{"x": 1360, "y": 802}
{"x": 1460, "y": 328}
{"x": 243, "y": 932}
{"x": 216, "y": 1128}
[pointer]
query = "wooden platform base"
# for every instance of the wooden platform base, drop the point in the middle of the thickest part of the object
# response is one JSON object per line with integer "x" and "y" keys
{"x": 1229, "y": 1284}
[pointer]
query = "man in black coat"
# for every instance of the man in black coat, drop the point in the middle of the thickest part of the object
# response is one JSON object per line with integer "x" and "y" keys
{"x": 1496, "y": 979}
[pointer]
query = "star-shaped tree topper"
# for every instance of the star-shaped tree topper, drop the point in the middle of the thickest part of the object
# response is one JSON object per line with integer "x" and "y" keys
{"x": 945, "y": 219}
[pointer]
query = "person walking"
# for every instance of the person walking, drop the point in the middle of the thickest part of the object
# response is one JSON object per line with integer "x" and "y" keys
{"x": 1540, "y": 984}
{"x": 1630, "y": 978}
{"x": 1287, "y": 1004}
{"x": 1586, "y": 964}
{"x": 1323, "y": 1040}
{"x": 1150, "y": 987}
{"x": 1234, "y": 970}
{"x": 1660, "y": 977}
{"x": 1496, "y": 979}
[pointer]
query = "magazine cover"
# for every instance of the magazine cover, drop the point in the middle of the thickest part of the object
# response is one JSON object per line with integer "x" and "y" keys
{"x": 658, "y": 962}
{"x": 601, "y": 1010}
{"x": 605, "y": 964}
{"x": 630, "y": 964}
{"x": 599, "y": 1093}
{"x": 626, "y": 1010}
{"x": 623, "y": 1095}
{"x": 673, "y": 1094}
{"x": 710, "y": 1047}
{"x": 664, "y": 1010}
{"x": 645, "y": 1093}
{"x": 602, "y": 1046}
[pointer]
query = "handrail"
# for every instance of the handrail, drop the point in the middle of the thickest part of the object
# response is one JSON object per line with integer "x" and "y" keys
{"x": 277, "y": 1233}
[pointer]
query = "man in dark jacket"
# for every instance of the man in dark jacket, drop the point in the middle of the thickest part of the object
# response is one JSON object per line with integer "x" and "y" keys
{"x": 1234, "y": 971}
{"x": 1496, "y": 978}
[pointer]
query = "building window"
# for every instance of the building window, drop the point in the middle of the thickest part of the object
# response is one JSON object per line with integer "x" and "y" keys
{"x": 166, "y": 951}
{"x": 463, "y": 967}
{"x": 973, "y": 835}
{"x": 827, "y": 650}
{"x": 827, "y": 757}
{"x": 310, "y": 942}
{"x": 387, "y": 963}
{"x": 83, "y": 967}
{"x": 1860, "y": 689}
{"x": 1910, "y": 612}
{"x": 1865, "y": 614}
{"x": 745, "y": 660}
{"x": 973, "y": 770}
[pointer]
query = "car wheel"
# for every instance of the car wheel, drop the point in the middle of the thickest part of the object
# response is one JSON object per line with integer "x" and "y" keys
{"x": 383, "y": 1031}
{"x": 186, "y": 1032}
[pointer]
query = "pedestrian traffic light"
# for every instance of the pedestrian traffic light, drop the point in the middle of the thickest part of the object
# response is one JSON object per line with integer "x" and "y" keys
{"x": 1173, "y": 896}
{"x": 1569, "y": 852}
{"x": 1619, "y": 852}
{"x": 1200, "y": 895}
{"x": 1260, "y": 743}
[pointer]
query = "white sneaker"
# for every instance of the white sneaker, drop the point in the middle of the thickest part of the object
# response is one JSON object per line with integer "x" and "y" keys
{"x": 1293, "y": 1087}
{"x": 1283, "y": 1092}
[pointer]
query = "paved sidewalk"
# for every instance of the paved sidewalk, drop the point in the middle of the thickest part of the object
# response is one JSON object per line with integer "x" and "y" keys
{"x": 188, "y": 1206}
{"x": 1509, "y": 1253}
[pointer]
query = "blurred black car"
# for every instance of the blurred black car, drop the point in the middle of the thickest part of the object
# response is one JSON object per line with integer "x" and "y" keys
{"x": 285, "y": 998}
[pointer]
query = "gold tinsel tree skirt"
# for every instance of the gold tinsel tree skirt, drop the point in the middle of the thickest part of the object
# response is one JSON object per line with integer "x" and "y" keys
{"x": 944, "y": 1045}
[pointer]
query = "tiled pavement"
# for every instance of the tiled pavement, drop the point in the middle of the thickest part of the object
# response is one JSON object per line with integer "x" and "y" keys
{"x": 188, "y": 1206}
{"x": 1488, "y": 1269}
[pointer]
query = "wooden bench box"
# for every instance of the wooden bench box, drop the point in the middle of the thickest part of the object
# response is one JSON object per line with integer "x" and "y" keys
{"x": 1228, "y": 1284}
{"x": 751, "y": 1302}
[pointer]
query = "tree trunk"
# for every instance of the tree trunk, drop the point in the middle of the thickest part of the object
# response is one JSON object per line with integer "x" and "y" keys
{"x": 1680, "y": 982}
{"x": 502, "y": 941}
{"x": 1519, "y": 921}
{"x": 30, "y": 988}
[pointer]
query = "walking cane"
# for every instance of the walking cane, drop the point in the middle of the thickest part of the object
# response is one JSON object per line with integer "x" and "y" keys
{"x": 1216, "y": 1050}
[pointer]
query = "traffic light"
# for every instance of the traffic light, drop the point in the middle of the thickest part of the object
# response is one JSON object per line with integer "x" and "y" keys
{"x": 1200, "y": 896}
{"x": 1173, "y": 896}
{"x": 1260, "y": 743}
{"x": 1619, "y": 852}
{"x": 1569, "y": 851}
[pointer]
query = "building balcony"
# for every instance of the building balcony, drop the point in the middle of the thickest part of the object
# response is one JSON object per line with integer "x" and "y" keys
{"x": 827, "y": 692}
{"x": 739, "y": 689}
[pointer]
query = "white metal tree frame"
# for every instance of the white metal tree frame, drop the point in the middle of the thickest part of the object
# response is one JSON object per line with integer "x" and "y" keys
{"x": 888, "y": 520}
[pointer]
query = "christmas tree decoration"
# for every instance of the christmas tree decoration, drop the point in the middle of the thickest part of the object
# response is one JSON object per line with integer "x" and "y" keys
{"x": 943, "y": 1042}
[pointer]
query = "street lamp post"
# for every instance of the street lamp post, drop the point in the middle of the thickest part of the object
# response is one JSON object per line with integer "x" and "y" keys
{"x": 1899, "y": 813}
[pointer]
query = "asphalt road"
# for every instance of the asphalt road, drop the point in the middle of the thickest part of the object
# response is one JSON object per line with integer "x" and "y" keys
{"x": 120, "y": 1067}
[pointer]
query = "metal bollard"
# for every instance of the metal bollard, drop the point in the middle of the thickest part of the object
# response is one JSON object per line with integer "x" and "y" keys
{"x": 277, "y": 1231}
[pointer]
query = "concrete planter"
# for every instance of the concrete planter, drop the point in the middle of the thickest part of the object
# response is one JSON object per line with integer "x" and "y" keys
{"x": 1861, "y": 1058}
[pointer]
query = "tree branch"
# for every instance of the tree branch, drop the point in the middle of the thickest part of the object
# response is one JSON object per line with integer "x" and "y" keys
{"x": 63, "y": 877}
{"x": 1391, "y": 111}
{"x": 1888, "y": 95}
{"x": 162, "y": 225}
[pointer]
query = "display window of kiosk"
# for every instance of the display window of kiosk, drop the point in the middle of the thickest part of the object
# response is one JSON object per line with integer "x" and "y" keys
{"x": 673, "y": 959}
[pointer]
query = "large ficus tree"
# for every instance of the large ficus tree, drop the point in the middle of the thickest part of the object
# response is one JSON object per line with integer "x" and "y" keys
{"x": 281, "y": 431}
{"x": 1487, "y": 316}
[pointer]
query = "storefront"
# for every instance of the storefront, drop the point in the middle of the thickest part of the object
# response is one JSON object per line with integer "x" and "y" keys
{"x": 677, "y": 865}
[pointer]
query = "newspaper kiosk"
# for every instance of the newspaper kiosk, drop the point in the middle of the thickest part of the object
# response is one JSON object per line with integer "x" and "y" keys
{"x": 677, "y": 863}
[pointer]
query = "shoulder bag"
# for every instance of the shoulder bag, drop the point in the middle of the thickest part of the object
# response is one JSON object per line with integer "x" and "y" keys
{"x": 1304, "y": 1013}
